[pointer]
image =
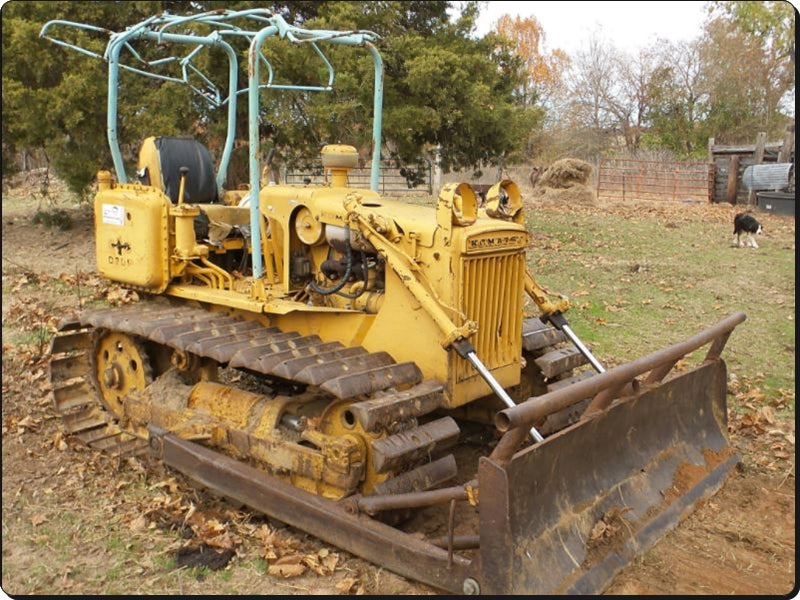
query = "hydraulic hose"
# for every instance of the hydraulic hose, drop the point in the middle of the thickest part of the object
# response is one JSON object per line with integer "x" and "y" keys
{"x": 348, "y": 270}
{"x": 365, "y": 273}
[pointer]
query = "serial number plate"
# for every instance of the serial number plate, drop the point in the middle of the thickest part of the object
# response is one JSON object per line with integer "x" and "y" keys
{"x": 113, "y": 214}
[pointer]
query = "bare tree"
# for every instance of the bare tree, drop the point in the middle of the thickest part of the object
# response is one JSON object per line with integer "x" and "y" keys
{"x": 634, "y": 96}
{"x": 612, "y": 94}
{"x": 591, "y": 82}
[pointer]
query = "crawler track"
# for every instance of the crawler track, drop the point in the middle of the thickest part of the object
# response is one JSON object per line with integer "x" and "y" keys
{"x": 382, "y": 391}
{"x": 75, "y": 398}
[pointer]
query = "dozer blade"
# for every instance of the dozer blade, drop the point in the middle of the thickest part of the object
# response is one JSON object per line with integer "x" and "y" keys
{"x": 334, "y": 522}
{"x": 564, "y": 516}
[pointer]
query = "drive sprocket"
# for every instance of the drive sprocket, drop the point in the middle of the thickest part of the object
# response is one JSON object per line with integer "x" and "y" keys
{"x": 120, "y": 366}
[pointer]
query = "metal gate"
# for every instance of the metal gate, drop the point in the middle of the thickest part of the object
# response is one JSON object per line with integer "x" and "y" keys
{"x": 630, "y": 179}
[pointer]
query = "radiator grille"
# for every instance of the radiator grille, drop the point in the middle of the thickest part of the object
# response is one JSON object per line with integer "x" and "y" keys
{"x": 492, "y": 290}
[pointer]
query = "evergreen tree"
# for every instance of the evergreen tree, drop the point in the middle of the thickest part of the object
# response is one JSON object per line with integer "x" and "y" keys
{"x": 445, "y": 90}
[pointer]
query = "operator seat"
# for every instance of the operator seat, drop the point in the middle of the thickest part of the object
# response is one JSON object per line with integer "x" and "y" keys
{"x": 160, "y": 162}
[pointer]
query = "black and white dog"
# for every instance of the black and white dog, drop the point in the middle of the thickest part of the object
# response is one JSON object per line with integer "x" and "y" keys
{"x": 746, "y": 224}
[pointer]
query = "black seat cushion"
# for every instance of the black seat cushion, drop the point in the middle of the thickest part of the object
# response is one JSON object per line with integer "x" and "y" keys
{"x": 177, "y": 152}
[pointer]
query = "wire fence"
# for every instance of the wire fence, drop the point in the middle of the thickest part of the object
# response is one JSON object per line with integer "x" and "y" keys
{"x": 632, "y": 179}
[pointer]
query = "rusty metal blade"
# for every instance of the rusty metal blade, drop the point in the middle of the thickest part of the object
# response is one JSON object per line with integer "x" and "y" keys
{"x": 330, "y": 521}
{"x": 564, "y": 516}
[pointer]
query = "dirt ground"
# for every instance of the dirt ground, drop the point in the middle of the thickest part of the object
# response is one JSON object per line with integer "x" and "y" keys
{"x": 75, "y": 522}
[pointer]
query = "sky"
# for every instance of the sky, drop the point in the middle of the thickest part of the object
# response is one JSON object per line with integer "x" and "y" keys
{"x": 568, "y": 25}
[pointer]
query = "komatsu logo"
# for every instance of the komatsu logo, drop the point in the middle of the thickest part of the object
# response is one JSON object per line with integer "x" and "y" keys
{"x": 508, "y": 240}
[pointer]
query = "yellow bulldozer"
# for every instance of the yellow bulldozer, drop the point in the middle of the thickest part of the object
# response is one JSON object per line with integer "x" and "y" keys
{"x": 363, "y": 368}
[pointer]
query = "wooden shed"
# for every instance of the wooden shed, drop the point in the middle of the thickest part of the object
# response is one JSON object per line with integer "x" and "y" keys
{"x": 730, "y": 163}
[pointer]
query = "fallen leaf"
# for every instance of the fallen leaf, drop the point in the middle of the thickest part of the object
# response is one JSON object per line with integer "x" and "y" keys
{"x": 346, "y": 584}
{"x": 767, "y": 414}
{"x": 286, "y": 571}
{"x": 29, "y": 422}
{"x": 139, "y": 523}
{"x": 58, "y": 442}
{"x": 598, "y": 530}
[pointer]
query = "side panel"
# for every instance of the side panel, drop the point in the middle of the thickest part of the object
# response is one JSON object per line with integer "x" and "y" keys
{"x": 132, "y": 236}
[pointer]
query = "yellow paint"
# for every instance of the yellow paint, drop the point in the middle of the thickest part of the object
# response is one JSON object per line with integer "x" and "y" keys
{"x": 132, "y": 236}
{"x": 121, "y": 368}
{"x": 448, "y": 272}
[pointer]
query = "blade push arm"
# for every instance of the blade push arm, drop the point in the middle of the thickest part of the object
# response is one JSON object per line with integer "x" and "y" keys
{"x": 553, "y": 312}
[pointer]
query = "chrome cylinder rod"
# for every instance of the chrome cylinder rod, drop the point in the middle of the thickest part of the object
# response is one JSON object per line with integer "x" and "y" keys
{"x": 583, "y": 349}
{"x": 497, "y": 388}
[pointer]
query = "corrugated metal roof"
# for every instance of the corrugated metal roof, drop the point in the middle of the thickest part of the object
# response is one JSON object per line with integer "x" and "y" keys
{"x": 771, "y": 176}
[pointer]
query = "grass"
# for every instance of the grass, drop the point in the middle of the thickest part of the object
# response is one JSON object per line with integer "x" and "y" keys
{"x": 638, "y": 284}
{"x": 116, "y": 543}
{"x": 54, "y": 218}
{"x": 39, "y": 336}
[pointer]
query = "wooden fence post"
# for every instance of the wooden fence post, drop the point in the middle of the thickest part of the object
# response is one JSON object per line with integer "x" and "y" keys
{"x": 599, "y": 175}
{"x": 758, "y": 158}
{"x": 733, "y": 179}
{"x": 712, "y": 184}
{"x": 712, "y": 181}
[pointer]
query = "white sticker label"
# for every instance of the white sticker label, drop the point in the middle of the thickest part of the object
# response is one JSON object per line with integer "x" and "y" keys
{"x": 113, "y": 214}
